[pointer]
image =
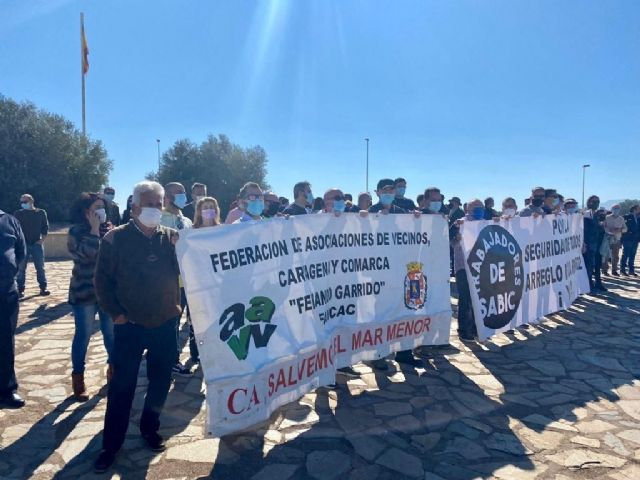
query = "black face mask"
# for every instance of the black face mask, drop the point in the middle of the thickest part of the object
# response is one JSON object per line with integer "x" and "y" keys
{"x": 537, "y": 202}
{"x": 273, "y": 209}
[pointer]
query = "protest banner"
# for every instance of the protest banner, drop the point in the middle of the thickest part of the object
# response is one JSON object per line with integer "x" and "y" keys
{"x": 277, "y": 306}
{"x": 522, "y": 268}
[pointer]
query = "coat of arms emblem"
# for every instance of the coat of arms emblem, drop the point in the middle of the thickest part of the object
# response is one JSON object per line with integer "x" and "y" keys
{"x": 415, "y": 286}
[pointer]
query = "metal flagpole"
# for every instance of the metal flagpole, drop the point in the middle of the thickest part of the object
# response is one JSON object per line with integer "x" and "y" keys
{"x": 84, "y": 122}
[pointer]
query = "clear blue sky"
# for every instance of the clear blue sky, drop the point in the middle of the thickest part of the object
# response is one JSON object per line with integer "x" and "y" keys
{"x": 476, "y": 97}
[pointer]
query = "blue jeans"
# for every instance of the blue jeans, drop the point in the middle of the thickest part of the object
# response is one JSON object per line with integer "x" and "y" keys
{"x": 36, "y": 252}
{"x": 84, "y": 317}
{"x": 130, "y": 342}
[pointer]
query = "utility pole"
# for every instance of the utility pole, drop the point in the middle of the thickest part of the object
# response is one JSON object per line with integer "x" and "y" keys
{"x": 158, "y": 142}
{"x": 367, "y": 169}
{"x": 584, "y": 170}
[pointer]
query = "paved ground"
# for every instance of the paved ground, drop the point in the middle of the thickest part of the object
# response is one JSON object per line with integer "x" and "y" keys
{"x": 556, "y": 401}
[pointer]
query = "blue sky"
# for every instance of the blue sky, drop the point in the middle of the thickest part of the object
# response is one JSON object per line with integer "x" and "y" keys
{"x": 476, "y": 97}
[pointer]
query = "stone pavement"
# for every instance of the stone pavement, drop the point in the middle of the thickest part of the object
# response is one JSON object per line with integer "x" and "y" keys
{"x": 560, "y": 400}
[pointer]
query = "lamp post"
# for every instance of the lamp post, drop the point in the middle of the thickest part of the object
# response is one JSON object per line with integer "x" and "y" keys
{"x": 367, "y": 171}
{"x": 158, "y": 142}
{"x": 584, "y": 170}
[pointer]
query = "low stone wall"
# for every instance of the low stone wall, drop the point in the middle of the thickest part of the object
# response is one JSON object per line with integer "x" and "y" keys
{"x": 55, "y": 246}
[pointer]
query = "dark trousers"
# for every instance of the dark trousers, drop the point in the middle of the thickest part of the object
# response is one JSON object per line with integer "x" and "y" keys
{"x": 466, "y": 320}
{"x": 629, "y": 250}
{"x": 593, "y": 264}
{"x": 35, "y": 252}
{"x": 130, "y": 342}
{"x": 193, "y": 346}
{"x": 9, "y": 305}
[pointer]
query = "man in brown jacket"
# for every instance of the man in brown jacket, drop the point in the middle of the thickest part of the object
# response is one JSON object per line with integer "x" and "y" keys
{"x": 136, "y": 283}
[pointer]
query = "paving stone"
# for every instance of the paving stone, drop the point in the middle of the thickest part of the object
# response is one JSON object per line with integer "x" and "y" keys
{"x": 588, "y": 442}
{"x": 506, "y": 442}
{"x": 368, "y": 472}
{"x": 544, "y": 440}
{"x": 548, "y": 367}
{"x": 615, "y": 444}
{"x": 594, "y": 426}
{"x": 389, "y": 409}
{"x": 327, "y": 464}
{"x": 586, "y": 459}
{"x": 402, "y": 462}
{"x": 367, "y": 446}
{"x": 436, "y": 420}
{"x": 276, "y": 470}
{"x": 425, "y": 442}
{"x": 466, "y": 448}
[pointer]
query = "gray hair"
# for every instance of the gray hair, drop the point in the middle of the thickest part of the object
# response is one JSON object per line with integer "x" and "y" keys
{"x": 146, "y": 187}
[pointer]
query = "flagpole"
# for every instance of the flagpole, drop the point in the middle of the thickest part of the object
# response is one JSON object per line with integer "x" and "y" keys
{"x": 84, "y": 123}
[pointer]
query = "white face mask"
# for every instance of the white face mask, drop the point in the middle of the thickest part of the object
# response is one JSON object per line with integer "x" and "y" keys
{"x": 150, "y": 217}
{"x": 509, "y": 212}
{"x": 102, "y": 214}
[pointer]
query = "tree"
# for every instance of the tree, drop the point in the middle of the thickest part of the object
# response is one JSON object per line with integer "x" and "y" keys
{"x": 626, "y": 205}
{"x": 45, "y": 155}
{"x": 223, "y": 166}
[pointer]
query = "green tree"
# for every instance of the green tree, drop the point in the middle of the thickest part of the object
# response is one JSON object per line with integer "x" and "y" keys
{"x": 45, "y": 155}
{"x": 223, "y": 166}
{"x": 626, "y": 205}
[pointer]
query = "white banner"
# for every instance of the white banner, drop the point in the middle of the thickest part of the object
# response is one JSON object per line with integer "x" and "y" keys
{"x": 522, "y": 269}
{"x": 277, "y": 306}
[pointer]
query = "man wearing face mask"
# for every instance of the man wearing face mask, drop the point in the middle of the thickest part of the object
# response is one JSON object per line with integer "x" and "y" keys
{"x": 630, "y": 241}
{"x": 364, "y": 202}
{"x": 400, "y": 200}
{"x": 570, "y": 206}
{"x": 614, "y": 227}
{"x": 467, "y": 330}
{"x": 271, "y": 205}
{"x": 593, "y": 236}
{"x": 433, "y": 202}
{"x": 334, "y": 202}
{"x": 302, "y": 200}
{"x": 112, "y": 208}
{"x": 509, "y": 207}
{"x": 551, "y": 201}
{"x": 136, "y": 283}
{"x": 35, "y": 226}
{"x": 174, "y": 201}
{"x": 386, "y": 195}
{"x": 534, "y": 209}
{"x": 251, "y": 200}
{"x": 489, "y": 211}
{"x": 198, "y": 191}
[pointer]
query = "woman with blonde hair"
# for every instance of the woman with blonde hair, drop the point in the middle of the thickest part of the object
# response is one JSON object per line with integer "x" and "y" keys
{"x": 207, "y": 213}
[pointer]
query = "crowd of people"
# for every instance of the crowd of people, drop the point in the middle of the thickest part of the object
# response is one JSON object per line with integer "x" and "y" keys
{"x": 115, "y": 255}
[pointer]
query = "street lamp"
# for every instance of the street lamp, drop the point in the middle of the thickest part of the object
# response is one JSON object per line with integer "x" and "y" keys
{"x": 367, "y": 175}
{"x": 158, "y": 141}
{"x": 584, "y": 170}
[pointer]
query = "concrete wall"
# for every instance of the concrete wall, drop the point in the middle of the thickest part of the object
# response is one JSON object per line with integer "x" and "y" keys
{"x": 55, "y": 246}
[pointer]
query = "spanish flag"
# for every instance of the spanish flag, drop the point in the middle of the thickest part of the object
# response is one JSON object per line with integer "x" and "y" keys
{"x": 85, "y": 49}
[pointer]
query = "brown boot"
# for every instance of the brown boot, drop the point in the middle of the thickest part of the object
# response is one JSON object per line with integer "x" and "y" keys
{"x": 79, "y": 390}
{"x": 109, "y": 373}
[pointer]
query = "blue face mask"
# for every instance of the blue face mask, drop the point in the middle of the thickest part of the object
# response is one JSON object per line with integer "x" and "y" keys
{"x": 435, "y": 206}
{"x": 386, "y": 198}
{"x": 25, "y": 206}
{"x": 339, "y": 206}
{"x": 180, "y": 200}
{"x": 109, "y": 196}
{"x": 310, "y": 198}
{"x": 400, "y": 191}
{"x": 478, "y": 213}
{"x": 572, "y": 210}
{"x": 555, "y": 203}
{"x": 255, "y": 207}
